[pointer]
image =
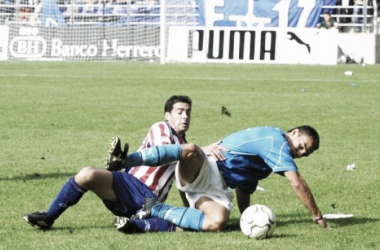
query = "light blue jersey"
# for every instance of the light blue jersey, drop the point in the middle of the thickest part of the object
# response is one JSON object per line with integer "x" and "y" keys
{"x": 254, "y": 154}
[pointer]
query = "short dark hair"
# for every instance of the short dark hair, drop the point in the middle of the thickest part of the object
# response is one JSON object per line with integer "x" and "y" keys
{"x": 174, "y": 99}
{"x": 310, "y": 131}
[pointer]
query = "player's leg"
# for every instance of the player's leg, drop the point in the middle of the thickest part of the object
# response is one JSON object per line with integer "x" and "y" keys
{"x": 190, "y": 164}
{"x": 191, "y": 158}
{"x": 154, "y": 156}
{"x": 154, "y": 224}
{"x": 215, "y": 215}
{"x": 98, "y": 180}
{"x": 207, "y": 192}
{"x": 216, "y": 199}
{"x": 210, "y": 215}
{"x": 123, "y": 195}
{"x": 132, "y": 194}
{"x": 184, "y": 217}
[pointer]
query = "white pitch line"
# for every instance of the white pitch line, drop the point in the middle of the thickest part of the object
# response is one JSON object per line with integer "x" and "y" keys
{"x": 177, "y": 78}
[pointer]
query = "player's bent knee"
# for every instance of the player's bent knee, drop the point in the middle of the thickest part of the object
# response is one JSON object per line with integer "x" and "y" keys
{"x": 214, "y": 224}
{"x": 214, "y": 227}
{"x": 189, "y": 150}
{"x": 85, "y": 176}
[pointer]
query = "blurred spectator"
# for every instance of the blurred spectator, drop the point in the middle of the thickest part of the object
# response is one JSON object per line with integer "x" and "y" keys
{"x": 25, "y": 11}
{"x": 181, "y": 12}
{"x": 113, "y": 12}
{"x": 72, "y": 9}
{"x": 364, "y": 11}
{"x": 144, "y": 11}
{"x": 328, "y": 22}
{"x": 9, "y": 9}
{"x": 62, "y": 5}
{"x": 104, "y": 10}
{"x": 89, "y": 6}
{"x": 358, "y": 10}
{"x": 119, "y": 11}
{"x": 345, "y": 11}
{"x": 120, "y": 7}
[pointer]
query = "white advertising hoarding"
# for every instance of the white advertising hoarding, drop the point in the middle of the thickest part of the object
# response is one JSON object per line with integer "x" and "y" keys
{"x": 259, "y": 45}
{"x": 4, "y": 37}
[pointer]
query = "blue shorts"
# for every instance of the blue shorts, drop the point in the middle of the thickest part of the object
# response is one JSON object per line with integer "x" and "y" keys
{"x": 131, "y": 193}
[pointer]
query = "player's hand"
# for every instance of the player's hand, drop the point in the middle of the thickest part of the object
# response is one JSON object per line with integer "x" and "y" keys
{"x": 215, "y": 150}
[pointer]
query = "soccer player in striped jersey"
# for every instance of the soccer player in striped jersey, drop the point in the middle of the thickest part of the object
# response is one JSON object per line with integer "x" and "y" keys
{"x": 251, "y": 155}
{"x": 158, "y": 179}
{"x": 124, "y": 193}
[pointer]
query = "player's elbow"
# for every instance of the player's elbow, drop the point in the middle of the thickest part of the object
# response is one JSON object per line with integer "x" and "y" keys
{"x": 296, "y": 181}
{"x": 298, "y": 186}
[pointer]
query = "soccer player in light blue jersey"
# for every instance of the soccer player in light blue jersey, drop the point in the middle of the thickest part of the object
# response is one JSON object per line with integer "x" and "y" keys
{"x": 250, "y": 155}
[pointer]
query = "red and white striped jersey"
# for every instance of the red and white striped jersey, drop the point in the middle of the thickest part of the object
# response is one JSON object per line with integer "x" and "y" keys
{"x": 158, "y": 179}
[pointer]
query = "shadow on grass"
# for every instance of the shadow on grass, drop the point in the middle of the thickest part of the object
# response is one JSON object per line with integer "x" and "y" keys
{"x": 70, "y": 230}
{"x": 352, "y": 221}
{"x": 234, "y": 223}
{"x": 36, "y": 176}
{"x": 331, "y": 222}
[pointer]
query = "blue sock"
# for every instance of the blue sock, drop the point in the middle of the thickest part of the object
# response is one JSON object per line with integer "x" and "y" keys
{"x": 154, "y": 156}
{"x": 184, "y": 217}
{"x": 69, "y": 195}
{"x": 153, "y": 225}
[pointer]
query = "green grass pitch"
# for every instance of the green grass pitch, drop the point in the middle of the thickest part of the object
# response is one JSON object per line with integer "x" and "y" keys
{"x": 57, "y": 117}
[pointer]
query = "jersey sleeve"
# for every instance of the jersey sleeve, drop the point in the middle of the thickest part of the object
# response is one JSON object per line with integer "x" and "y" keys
{"x": 280, "y": 159}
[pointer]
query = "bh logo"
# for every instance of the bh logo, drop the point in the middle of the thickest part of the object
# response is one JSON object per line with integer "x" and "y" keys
{"x": 28, "y": 44}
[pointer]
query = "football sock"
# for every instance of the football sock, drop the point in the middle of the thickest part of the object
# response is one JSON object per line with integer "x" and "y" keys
{"x": 69, "y": 195}
{"x": 154, "y": 156}
{"x": 184, "y": 217}
{"x": 153, "y": 225}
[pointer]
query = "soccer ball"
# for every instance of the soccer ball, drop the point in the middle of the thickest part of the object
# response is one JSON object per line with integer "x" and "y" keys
{"x": 258, "y": 221}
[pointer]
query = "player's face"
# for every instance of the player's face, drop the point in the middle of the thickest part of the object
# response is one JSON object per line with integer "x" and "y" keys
{"x": 300, "y": 144}
{"x": 179, "y": 117}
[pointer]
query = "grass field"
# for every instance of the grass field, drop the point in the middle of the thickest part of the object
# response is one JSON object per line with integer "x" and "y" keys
{"x": 58, "y": 117}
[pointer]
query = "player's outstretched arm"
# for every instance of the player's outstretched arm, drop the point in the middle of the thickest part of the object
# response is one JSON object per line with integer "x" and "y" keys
{"x": 304, "y": 194}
